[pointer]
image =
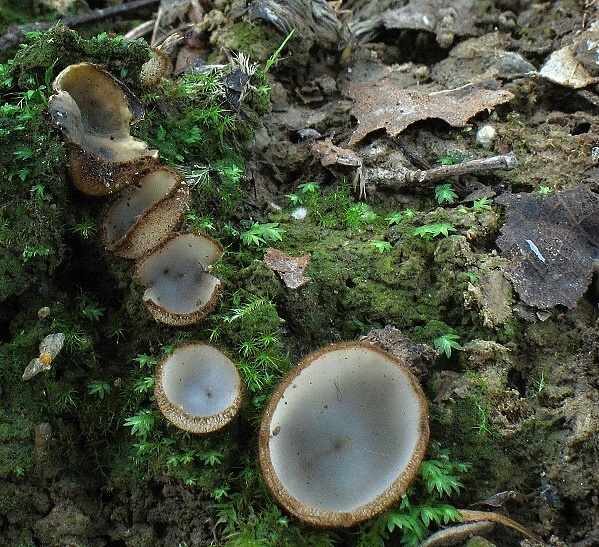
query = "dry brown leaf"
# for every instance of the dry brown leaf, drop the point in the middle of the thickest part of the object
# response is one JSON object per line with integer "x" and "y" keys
{"x": 290, "y": 269}
{"x": 330, "y": 154}
{"x": 552, "y": 241}
{"x": 383, "y": 105}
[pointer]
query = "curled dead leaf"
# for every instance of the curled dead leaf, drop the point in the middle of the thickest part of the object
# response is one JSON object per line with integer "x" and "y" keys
{"x": 290, "y": 269}
{"x": 385, "y": 106}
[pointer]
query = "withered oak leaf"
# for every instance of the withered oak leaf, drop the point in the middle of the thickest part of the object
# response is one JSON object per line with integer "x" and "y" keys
{"x": 552, "y": 242}
{"x": 384, "y": 105}
{"x": 290, "y": 268}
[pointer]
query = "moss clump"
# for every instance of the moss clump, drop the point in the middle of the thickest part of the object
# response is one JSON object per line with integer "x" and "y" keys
{"x": 61, "y": 46}
{"x": 190, "y": 121}
{"x": 16, "y": 443}
{"x": 36, "y": 207}
{"x": 257, "y": 41}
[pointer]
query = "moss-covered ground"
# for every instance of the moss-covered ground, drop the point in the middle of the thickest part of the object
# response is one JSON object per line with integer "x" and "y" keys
{"x": 86, "y": 457}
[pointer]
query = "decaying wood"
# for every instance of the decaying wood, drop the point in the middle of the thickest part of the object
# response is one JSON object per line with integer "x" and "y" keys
{"x": 15, "y": 35}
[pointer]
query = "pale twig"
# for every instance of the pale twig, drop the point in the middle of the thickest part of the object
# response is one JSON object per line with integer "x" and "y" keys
{"x": 475, "y": 522}
{"x": 427, "y": 176}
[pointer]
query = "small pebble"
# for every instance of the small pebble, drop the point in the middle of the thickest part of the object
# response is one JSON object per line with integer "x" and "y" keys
{"x": 300, "y": 213}
{"x": 44, "y": 312}
{"x": 485, "y": 136}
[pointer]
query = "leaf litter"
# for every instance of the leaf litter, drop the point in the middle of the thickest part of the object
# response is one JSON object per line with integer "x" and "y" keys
{"x": 383, "y": 105}
{"x": 552, "y": 242}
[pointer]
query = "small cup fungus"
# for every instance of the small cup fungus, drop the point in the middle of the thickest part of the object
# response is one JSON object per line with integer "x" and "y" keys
{"x": 198, "y": 388}
{"x": 343, "y": 434}
{"x": 94, "y": 111}
{"x": 144, "y": 215}
{"x": 180, "y": 289}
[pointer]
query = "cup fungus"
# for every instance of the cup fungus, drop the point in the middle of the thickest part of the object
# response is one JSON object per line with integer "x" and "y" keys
{"x": 343, "y": 434}
{"x": 180, "y": 289}
{"x": 198, "y": 388}
{"x": 144, "y": 215}
{"x": 94, "y": 111}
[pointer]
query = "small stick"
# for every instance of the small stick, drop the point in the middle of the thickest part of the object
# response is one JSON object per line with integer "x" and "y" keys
{"x": 477, "y": 516}
{"x": 140, "y": 30}
{"x": 15, "y": 35}
{"x": 475, "y": 522}
{"x": 457, "y": 534}
{"x": 411, "y": 153}
{"x": 507, "y": 161}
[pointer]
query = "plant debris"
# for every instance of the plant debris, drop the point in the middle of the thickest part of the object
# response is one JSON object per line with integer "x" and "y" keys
{"x": 49, "y": 348}
{"x": 475, "y": 522}
{"x": 564, "y": 68}
{"x": 290, "y": 269}
{"x": 315, "y": 21}
{"x": 496, "y": 501}
{"x": 552, "y": 243}
{"x": 383, "y": 105}
{"x": 445, "y": 18}
{"x": 417, "y": 356}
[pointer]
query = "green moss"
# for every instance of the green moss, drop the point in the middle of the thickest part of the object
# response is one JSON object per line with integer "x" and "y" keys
{"x": 61, "y": 46}
{"x": 16, "y": 445}
{"x": 257, "y": 41}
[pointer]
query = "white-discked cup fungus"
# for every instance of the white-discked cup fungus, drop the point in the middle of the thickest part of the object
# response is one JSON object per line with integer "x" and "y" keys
{"x": 145, "y": 214}
{"x": 198, "y": 388}
{"x": 94, "y": 112}
{"x": 343, "y": 435}
{"x": 179, "y": 288}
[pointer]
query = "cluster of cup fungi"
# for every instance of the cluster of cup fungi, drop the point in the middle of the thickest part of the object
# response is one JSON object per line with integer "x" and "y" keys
{"x": 344, "y": 432}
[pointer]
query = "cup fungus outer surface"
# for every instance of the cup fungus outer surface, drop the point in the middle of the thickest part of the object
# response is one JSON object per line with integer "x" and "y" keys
{"x": 179, "y": 288}
{"x": 198, "y": 388}
{"x": 94, "y": 111}
{"x": 343, "y": 434}
{"x": 144, "y": 214}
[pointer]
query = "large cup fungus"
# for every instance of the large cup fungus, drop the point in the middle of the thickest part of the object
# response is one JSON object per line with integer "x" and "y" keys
{"x": 94, "y": 111}
{"x": 144, "y": 215}
{"x": 343, "y": 434}
{"x": 180, "y": 289}
{"x": 198, "y": 388}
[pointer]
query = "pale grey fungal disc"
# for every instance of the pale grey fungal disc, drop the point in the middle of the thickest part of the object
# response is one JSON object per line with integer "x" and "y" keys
{"x": 144, "y": 214}
{"x": 343, "y": 435}
{"x": 198, "y": 388}
{"x": 179, "y": 288}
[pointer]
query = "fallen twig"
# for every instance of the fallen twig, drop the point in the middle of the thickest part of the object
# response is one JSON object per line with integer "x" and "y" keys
{"x": 477, "y": 516}
{"x": 475, "y": 522}
{"x": 411, "y": 153}
{"x": 457, "y": 534}
{"x": 15, "y": 35}
{"x": 507, "y": 161}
